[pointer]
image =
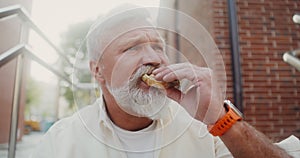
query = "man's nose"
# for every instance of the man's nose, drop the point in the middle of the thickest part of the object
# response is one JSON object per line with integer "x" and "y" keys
{"x": 151, "y": 56}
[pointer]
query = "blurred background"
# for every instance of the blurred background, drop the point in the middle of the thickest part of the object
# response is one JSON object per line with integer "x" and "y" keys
{"x": 41, "y": 41}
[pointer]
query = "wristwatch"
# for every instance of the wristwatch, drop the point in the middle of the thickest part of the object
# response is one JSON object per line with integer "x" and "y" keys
{"x": 231, "y": 117}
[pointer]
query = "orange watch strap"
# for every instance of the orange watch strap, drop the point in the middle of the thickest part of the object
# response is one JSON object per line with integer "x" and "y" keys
{"x": 225, "y": 123}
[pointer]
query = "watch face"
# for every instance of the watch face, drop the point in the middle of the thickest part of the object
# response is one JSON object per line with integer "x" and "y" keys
{"x": 237, "y": 111}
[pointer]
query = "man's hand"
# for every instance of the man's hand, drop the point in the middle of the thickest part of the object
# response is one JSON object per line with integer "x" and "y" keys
{"x": 204, "y": 99}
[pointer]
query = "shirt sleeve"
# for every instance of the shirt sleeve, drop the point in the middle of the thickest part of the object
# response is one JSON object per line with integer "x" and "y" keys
{"x": 291, "y": 145}
{"x": 221, "y": 150}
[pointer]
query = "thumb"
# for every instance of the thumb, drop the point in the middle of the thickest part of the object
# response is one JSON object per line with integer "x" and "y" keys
{"x": 174, "y": 94}
{"x": 189, "y": 101}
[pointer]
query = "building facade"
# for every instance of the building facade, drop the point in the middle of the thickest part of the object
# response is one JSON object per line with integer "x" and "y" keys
{"x": 270, "y": 91}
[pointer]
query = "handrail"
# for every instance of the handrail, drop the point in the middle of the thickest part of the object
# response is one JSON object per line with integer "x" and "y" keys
{"x": 23, "y": 14}
{"x": 11, "y": 54}
{"x": 23, "y": 48}
{"x": 292, "y": 58}
{"x": 10, "y": 10}
{"x": 18, "y": 51}
{"x": 15, "y": 107}
{"x": 32, "y": 55}
{"x": 296, "y": 18}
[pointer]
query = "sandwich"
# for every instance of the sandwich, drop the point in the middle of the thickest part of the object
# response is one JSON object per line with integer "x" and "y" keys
{"x": 149, "y": 79}
{"x": 152, "y": 82}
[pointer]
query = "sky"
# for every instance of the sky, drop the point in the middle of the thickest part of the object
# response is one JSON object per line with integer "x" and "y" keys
{"x": 54, "y": 17}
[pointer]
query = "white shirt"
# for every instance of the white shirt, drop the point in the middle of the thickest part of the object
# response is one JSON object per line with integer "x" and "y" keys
{"x": 89, "y": 134}
{"x": 138, "y": 144}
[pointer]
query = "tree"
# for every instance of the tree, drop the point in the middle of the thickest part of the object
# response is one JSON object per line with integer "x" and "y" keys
{"x": 33, "y": 93}
{"x": 73, "y": 45}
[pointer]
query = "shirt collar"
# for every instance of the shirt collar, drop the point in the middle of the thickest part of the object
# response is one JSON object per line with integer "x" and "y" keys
{"x": 103, "y": 119}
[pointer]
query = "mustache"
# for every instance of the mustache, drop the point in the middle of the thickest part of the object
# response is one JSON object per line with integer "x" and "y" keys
{"x": 144, "y": 69}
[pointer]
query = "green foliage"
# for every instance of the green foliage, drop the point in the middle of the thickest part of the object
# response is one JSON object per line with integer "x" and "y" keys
{"x": 33, "y": 94}
{"x": 73, "y": 45}
{"x": 74, "y": 38}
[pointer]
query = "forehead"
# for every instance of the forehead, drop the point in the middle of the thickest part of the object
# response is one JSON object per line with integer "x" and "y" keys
{"x": 139, "y": 35}
{"x": 129, "y": 39}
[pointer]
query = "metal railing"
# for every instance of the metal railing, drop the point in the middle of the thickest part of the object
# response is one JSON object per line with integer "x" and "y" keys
{"x": 293, "y": 57}
{"x": 19, "y": 51}
{"x": 22, "y": 13}
{"x": 26, "y": 50}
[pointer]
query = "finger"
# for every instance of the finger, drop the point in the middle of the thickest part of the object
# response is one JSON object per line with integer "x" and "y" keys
{"x": 180, "y": 66}
{"x": 162, "y": 71}
{"x": 157, "y": 70}
{"x": 194, "y": 75}
{"x": 178, "y": 75}
{"x": 172, "y": 67}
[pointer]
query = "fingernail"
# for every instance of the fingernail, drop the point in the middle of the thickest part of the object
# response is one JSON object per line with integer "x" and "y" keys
{"x": 157, "y": 76}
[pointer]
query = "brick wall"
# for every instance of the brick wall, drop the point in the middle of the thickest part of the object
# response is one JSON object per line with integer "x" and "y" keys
{"x": 271, "y": 88}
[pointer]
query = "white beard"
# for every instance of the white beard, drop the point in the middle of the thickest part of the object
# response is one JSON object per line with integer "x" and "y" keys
{"x": 137, "y": 102}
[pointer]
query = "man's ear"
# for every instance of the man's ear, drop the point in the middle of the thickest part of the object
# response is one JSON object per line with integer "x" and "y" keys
{"x": 96, "y": 72}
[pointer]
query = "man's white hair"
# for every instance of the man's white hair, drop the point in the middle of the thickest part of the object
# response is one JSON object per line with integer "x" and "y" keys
{"x": 100, "y": 33}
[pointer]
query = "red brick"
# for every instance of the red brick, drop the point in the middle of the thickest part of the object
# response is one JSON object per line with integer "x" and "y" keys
{"x": 271, "y": 93}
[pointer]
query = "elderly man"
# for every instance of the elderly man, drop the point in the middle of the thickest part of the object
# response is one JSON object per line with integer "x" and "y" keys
{"x": 135, "y": 118}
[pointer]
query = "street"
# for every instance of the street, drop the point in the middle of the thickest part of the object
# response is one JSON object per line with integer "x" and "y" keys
{"x": 24, "y": 147}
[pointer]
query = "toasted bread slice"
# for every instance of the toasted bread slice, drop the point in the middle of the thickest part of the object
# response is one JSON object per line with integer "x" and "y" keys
{"x": 152, "y": 82}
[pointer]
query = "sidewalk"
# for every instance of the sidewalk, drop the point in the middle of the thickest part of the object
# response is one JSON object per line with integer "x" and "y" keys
{"x": 24, "y": 147}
